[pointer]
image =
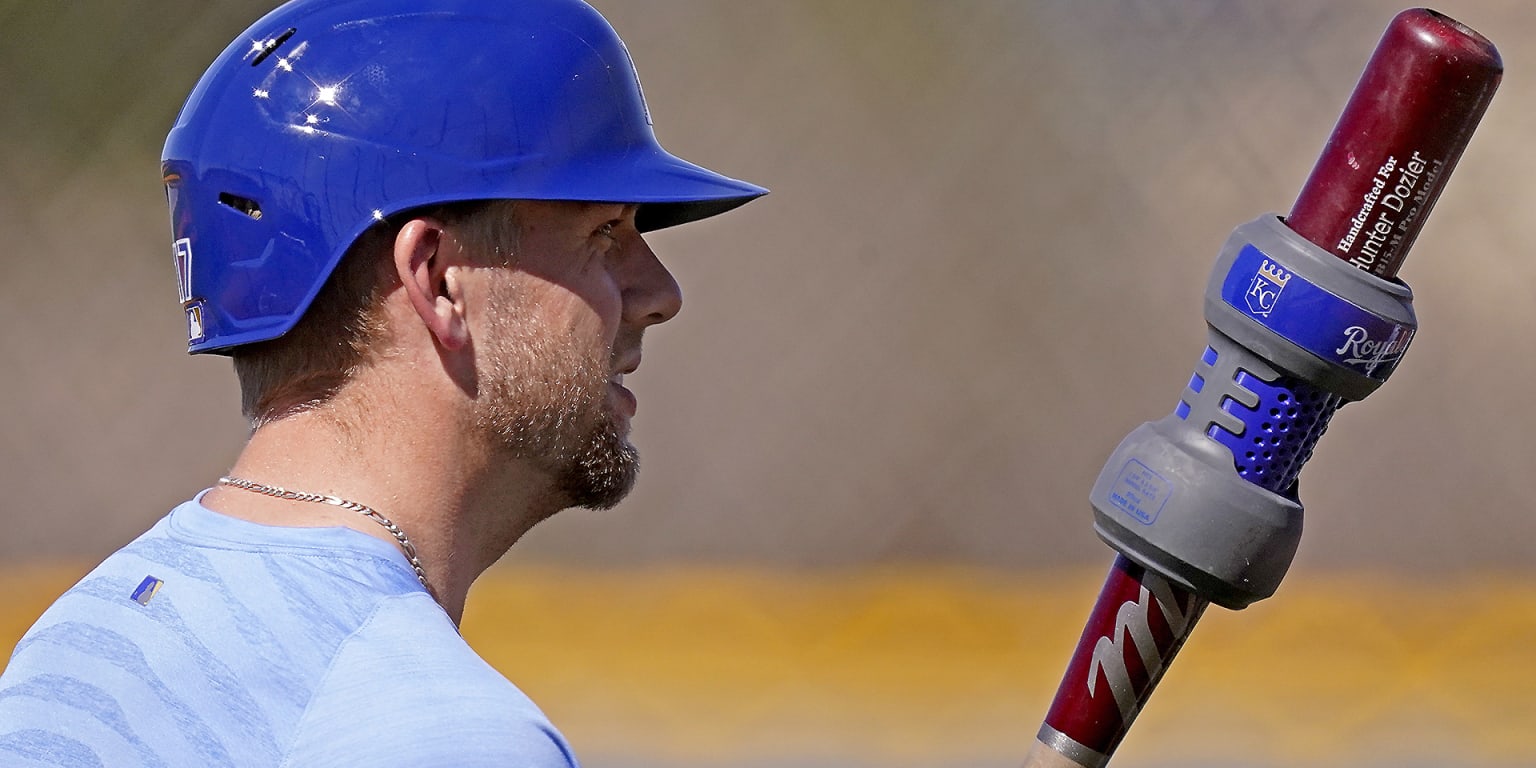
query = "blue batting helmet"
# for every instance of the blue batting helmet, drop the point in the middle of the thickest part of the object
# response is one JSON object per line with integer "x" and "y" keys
{"x": 330, "y": 115}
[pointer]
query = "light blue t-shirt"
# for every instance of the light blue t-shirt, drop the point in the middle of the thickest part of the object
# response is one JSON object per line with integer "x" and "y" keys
{"x": 212, "y": 641}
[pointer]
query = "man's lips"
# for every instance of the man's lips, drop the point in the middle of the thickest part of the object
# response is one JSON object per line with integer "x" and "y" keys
{"x": 626, "y": 398}
{"x": 626, "y": 364}
{"x": 626, "y": 402}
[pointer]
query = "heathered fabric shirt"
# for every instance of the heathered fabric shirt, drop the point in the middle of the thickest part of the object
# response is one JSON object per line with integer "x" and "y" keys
{"x": 259, "y": 646}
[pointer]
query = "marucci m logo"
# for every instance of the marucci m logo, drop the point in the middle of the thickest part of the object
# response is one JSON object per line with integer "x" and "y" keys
{"x": 1133, "y": 622}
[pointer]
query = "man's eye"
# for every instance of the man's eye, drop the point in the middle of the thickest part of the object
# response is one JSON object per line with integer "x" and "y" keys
{"x": 606, "y": 230}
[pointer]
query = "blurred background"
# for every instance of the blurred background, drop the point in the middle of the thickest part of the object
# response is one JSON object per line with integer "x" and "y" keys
{"x": 862, "y": 537}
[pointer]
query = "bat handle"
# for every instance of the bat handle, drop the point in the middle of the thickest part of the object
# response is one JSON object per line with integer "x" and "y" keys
{"x": 1137, "y": 626}
{"x": 1042, "y": 756}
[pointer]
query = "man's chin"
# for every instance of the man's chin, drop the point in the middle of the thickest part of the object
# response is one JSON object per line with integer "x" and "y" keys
{"x": 603, "y": 497}
{"x": 602, "y": 475}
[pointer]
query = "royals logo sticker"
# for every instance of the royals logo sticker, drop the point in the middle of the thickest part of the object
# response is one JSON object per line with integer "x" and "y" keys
{"x": 1264, "y": 291}
{"x": 1320, "y": 322}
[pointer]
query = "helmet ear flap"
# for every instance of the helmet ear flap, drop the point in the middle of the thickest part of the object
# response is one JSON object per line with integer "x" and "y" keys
{"x": 243, "y": 262}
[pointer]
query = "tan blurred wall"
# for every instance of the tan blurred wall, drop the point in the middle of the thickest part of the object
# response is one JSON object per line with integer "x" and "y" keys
{"x": 981, "y": 265}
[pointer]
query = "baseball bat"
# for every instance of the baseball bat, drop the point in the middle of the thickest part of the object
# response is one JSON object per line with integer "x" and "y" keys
{"x": 1410, "y": 116}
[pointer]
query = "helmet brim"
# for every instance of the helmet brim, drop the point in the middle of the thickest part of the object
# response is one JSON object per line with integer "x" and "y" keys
{"x": 669, "y": 190}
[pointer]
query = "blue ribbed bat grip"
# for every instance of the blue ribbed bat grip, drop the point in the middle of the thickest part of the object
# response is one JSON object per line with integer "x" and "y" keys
{"x": 1277, "y": 434}
{"x": 1207, "y": 496}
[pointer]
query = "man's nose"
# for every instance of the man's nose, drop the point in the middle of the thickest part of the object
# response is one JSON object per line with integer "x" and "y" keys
{"x": 651, "y": 294}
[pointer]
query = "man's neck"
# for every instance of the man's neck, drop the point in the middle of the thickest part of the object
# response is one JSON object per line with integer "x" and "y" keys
{"x": 459, "y": 506}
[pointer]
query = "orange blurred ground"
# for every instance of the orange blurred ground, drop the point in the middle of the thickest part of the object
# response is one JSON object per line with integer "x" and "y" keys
{"x": 928, "y": 666}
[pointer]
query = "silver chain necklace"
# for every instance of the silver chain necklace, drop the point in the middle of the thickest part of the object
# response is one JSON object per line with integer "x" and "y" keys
{"x": 351, "y": 506}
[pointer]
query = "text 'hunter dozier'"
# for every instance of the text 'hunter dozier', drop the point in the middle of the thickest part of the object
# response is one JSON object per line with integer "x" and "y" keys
{"x": 1394, "y": 206}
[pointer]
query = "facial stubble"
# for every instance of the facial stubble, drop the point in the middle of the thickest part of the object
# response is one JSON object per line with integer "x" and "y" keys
{"x": 544, "y": 398}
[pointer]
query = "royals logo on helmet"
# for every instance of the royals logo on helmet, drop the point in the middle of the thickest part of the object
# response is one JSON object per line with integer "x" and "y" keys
{"x": 183, "y": 251}
{"x": 194, "y": 308}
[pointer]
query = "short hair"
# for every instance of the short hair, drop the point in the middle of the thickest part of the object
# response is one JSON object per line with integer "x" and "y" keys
{"x": 343, "y": 328}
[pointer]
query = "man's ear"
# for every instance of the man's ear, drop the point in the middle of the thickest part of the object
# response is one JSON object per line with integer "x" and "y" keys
{"x": 426, "y": 262}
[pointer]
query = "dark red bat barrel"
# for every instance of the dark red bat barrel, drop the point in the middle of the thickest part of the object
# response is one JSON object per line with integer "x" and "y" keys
{"x": 1411, "y": 115}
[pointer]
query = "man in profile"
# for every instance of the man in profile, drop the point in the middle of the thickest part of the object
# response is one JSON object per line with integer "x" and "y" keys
{"x": 416, "y": 226}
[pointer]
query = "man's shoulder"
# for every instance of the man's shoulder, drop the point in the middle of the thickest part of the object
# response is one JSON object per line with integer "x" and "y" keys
{"x": 408, "y": 641}
{"x": 409, "y": 651}
{"x": 428, "y": 697}
{"x": 205, "y": 654}
{"x": 164, "y": 620}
